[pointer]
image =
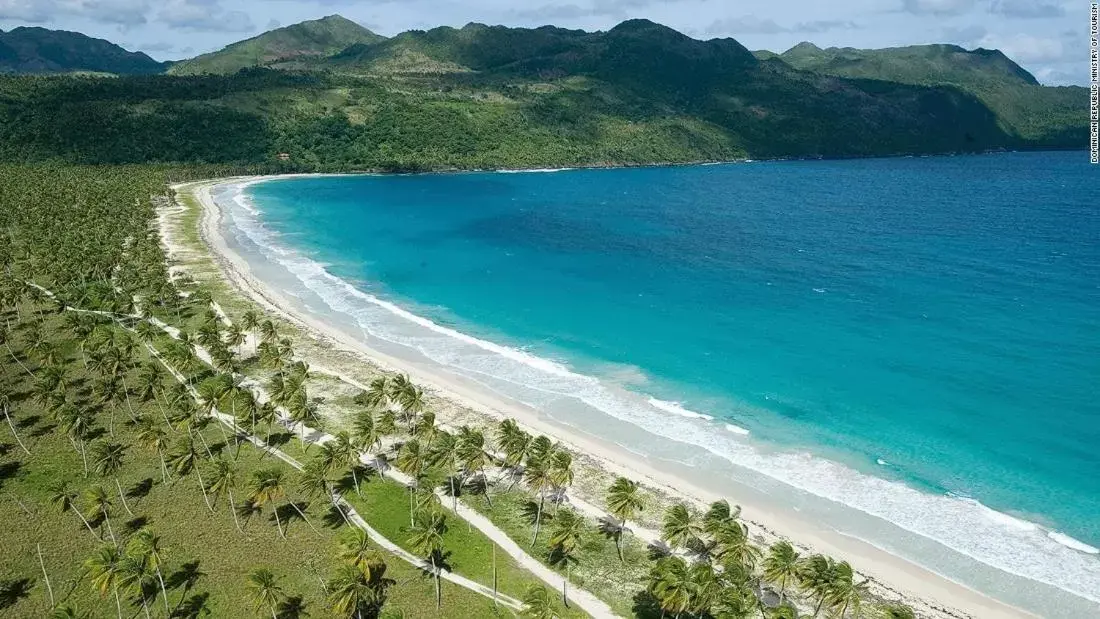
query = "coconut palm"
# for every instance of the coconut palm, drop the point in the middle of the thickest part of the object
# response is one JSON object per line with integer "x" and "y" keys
{"x": 717, "y": 515}
{"x": 267, "y": 489}
{"x": 313, "y": 481}
{"x": 65, "y": 498}
{"x": 733, "y": 545}
{"x": 184, "y": 459}
{"x": 134, "y": 578}
{"x": 378, "y": 394}
{"x": 624, "y": 501}
{"x": 736, "y": 602}
{"x": 265, "y": 590}
{"x": 346, "y": 454}
{"x": 680, "y": 527}
{"x": 235, "y": 337}
{"x": 538, "y": 603}
{"x": 538, "y": 478}
{"x": 357, "y": 550}
{"x": 412, "y": 459}
{"x": 68, "y": 611}
{"x": 98, "y": 502}
{"x": 107, "y": 461}
{"x": 844, "y": 592}
{"x": 671, "y": 585}
{"x": 816, "y": 576}
{"x": 151, "y": 436}
{"x": 365, "y": 432}
{"x": 472, "y": 457}
{"x": 104, "y": 570}
{"x": 781, "y": 567}
{"x": 515, "y": 443}
{"x": 223, "y": 479}
{"x": 426, "y": 538}
{"x": 565, "y": 536}
{"x": 145, "y": 545}
{"x": 425, "y": 429}
{"x": 356, "y": 592}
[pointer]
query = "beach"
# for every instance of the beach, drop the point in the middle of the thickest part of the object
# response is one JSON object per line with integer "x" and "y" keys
{"x": 334, "y": 351}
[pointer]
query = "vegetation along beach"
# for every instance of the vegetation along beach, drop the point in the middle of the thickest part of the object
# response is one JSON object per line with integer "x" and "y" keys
{"x": 501, "y": 321}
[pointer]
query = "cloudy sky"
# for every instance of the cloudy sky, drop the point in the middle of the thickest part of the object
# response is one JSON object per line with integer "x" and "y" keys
{"x": 1048, "y": 37}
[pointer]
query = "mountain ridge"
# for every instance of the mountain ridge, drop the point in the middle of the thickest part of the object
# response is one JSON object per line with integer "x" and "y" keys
{"x": 31, "y": 49}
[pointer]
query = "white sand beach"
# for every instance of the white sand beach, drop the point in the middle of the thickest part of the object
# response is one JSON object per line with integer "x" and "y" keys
{"x": 330, "y": 350}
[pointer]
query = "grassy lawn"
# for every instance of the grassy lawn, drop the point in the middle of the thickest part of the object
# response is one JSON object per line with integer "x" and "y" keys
{"x": 597, "y": 569}
{"x": 205, "y": 558}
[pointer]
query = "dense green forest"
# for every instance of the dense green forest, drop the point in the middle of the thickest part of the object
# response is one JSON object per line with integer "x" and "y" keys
{"x": 490, "y": 97}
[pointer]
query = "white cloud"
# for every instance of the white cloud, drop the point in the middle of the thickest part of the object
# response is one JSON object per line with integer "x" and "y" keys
{"x": 938, "y": 7}
{"x": 1025, "y": 47}
{"x": 204, "y": 15}
{"x": 1027, "y": 8}
{"x": 126, "y": 13}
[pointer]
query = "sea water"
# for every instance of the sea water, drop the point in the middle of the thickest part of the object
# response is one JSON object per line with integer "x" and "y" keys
{"x": 906, "y": 350}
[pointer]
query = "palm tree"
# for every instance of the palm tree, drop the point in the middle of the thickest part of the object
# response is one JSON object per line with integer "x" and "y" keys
{"x": 250, "y": 321}
{"x": 356, "y": 550}
{"x": 134, "y": 577}
{"x": 377, "y": 396}
{"x": 65, "y": 498}
{"x": 151, "y": 436}
{"x": 538, "y": 478}
{"x": 538, "y": 603}
{"x": 718, "y": 514}
{"x": 269, "y": 334}
{"x": 624, "y": 501}
{"x": 425, "y": 428}
{"x": 67, "y": 611}
{"x": 733, "y": 545}
{"x": 224, "y": 479}
{"x": 267, "y": 488}
{"x": 844, "y": 592}
{"x": 356, "y": 591}
{"x": 107, "y": 460}
{"x": 679, "y": 527}
{"x": 235, "y": 337}
{"x": 515, "y": 443}
{"x": 816, "y": 575}
{"x": 313, "y": 481}
{"x": 472, "y": 457}
{"x": 564, "y": 539}
{"x": 346, "y": 453}
{"x": 671, "y": 585}
{"x": 145, "y": 545}
{"x": 104, "y": 569}
{"x": 412, "y": 460}
{"x": 426, "y": 538}
{"x": 736, "y": 602}
{"x": 782, "y": 566}
{"x": 184, "y": 459}
{"x": 265, "y": 590}
{"x": 99, "y": 503}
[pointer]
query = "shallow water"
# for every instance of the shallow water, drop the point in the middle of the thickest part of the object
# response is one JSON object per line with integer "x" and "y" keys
{"x": 904, "y": 349}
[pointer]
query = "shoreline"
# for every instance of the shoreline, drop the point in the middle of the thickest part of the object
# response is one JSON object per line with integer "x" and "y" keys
{"x": 893, "y": 578}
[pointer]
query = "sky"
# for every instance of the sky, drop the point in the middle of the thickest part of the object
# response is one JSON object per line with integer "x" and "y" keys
{"x": 1047, "y": 37}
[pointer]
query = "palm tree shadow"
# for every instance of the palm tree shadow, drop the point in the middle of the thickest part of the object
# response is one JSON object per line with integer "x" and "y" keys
{"x": 186, "y": 576}
{"x": 192, "y": 607}
{"x": 9, "y": 470}
{"x": 610, "y": 528}
{"x": 658, "y": 550}
{"x": 530, "y": 511}
{"x": 287, "y": 513}
{"x": 246, "y": 510}
{"x": 11, "y": 591}
{"x": 134, "y": 525}
{"x": 293, "y": 607}
{"x": 141, "y": 489}
{"x": 41, "y": 431}
{"x": 28, "y": 421}
{"x": 646, "y": 606}
{"x": 332, "y": 519}
{"x": 278, "y": 439}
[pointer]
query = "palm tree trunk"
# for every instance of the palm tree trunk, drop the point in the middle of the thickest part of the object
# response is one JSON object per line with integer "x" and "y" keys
{"x": 84, "y": 455}
{"x": 87, "y": 524}
{"x": 111, "y": 426}
{"x": 118, "y": 603}
{"x": 163, "y": 468}
{"x": 202, "y": 440}
{"x": 107, "y": 521}
{"x": 12, "y": 353}
{"x": 45, "y": 576}
{"x": 355, "y": 477}
{"x": 14, "y": 433}
{"x": 126, "y": 392}
{"x": 163, "y": 590}
{"x": 278, "y": 522}
{"x": 302, "y": 514}
{"x": 820, "y": 602}
{"x": 122, "y": 495}
{"x": 202, "y": 486}
{"x": 233, "y": 510}
{"x": 538, "y": 519}
{"x": 438, "y": 593}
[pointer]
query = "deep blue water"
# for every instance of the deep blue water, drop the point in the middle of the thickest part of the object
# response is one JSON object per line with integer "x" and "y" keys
{"x": 931, "y": 321}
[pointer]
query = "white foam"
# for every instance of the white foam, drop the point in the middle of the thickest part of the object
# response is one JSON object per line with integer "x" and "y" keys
{"x": 534, "y": 171}
{"x": 676, "y": 409}
{"x": 1069, "y": 542}
{"x": 963, "y": 524}
{"x": 736, "y": 429}
{"x": 881, "y": 462}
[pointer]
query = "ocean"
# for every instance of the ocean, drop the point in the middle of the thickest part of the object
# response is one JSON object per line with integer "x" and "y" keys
{"x": 904, "y": 350}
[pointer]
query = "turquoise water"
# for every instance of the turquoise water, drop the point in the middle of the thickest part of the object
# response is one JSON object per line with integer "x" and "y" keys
{"x": 917, "y": 339}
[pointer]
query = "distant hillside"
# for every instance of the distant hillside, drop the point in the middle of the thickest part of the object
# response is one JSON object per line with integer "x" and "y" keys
{"x": 308, "y": 39}
{"x": 1023, "y": 106}
{"x": 491, "y": 96}
{"x": 38, "y": 50}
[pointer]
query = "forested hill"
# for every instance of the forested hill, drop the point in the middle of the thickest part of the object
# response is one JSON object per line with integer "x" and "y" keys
{"x": 1041, "y": 113}
{"x": 490, "y": 96}
{"x": 316, "y": 38}
{"x": 38, "y": 50}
